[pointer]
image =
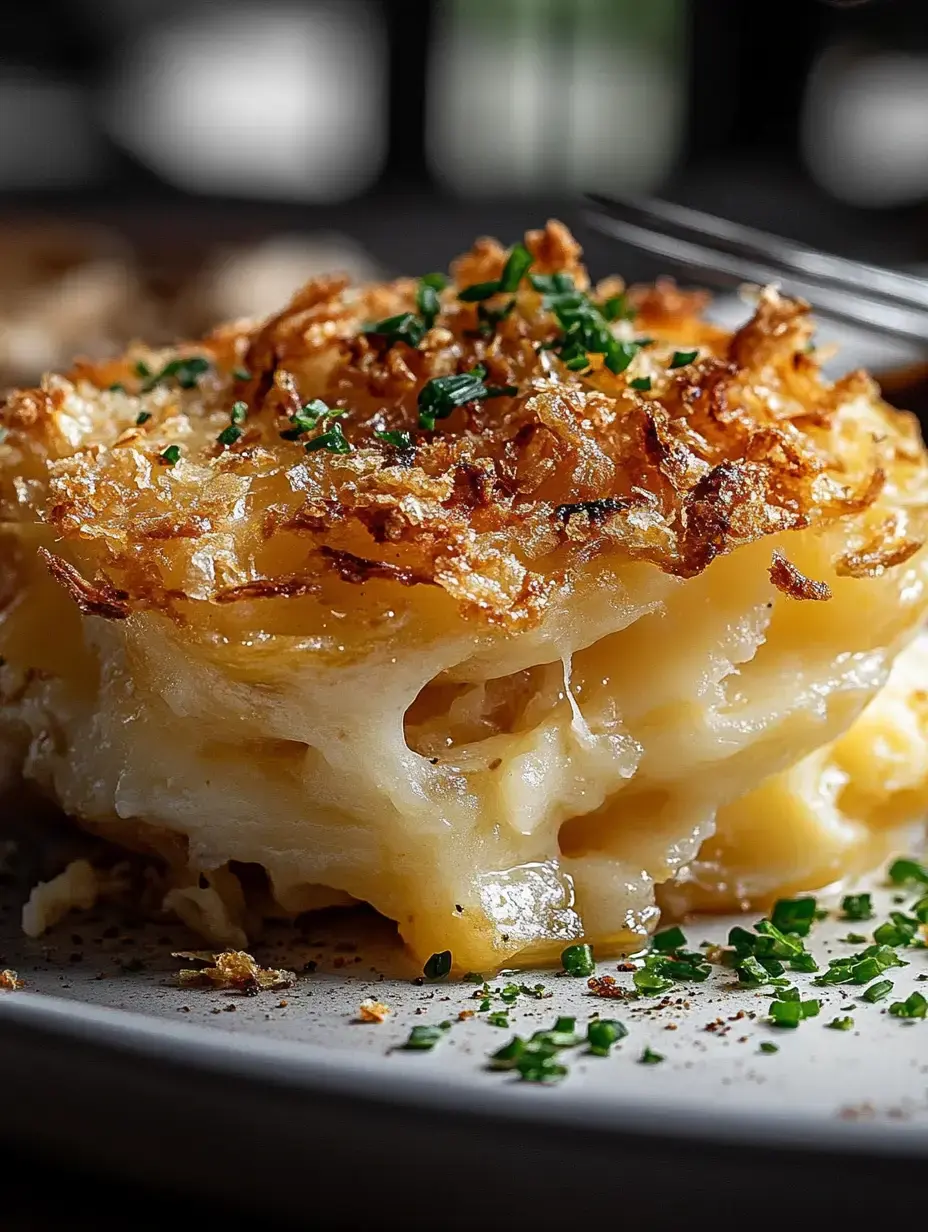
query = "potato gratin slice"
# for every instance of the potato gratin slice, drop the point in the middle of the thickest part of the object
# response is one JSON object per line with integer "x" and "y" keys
{"x": 502, "y": 605}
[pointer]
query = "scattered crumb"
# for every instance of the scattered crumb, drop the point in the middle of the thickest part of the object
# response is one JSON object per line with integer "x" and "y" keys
{"x": 465, "y": 1014}
{"x": 232, "y": 969}
{"x": 605, "y": 986}
{"x": 9, "y": 980}
{"x": 50, "y": 901}
{"x": 372, "y": 1011}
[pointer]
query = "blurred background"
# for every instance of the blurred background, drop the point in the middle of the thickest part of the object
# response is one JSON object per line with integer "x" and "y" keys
{"x": 166, "y": 163}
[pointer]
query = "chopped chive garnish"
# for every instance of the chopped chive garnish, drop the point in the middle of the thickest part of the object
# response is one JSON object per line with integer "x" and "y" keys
{"x": 443, "y": 394}
{"x": 228, "y": 436}
{"x": 399, "y": 440}
{"x": 117, "y": 388}
{"x": 879, "y": 990}
{"x": 669, "y": 940}
{"x": 907, "y": 872}
{"x": 540, "y": 1067}
{"x": 142, "y": 369}
{"x": 552, "y": 284}
{"x": 438, "y": 966}
{"x": 841, "y": 1024}
{"x": 914, "y": 1006}
{"x": 509, "y": 1055}
{"x": 142, "y": 418}
{"x": 642, "y": 383}
{"x": 186, "y": 371}
{"x": 239, "y": 412}
{"x": 617, "y": 307}
{"x": 578, "y": 960}
{"x": 651, "y": 983}
{"x": 404, "y": 327}
{"x": 900, "y": 929}
{"x": 171, "y": 455}
{"x": 785, "y": 1013}
{"x": 427, "y": 297}
{"x": 793, "y": 915}
{"x": 649, "y": 1057}
{"x": 333, "y": 441}
{"x": 853, "y": 938}
{"x": 241, "y": 374}
{"x": 857, "y": 907}
{"x": 500, "y": 1018}
{"x": 682, "y": 358}
{"x": 478, "y": 291}
{"x": 424, "y": 1038}
{"x": 602, "y": 1033}
{"x": 767, "y": 1046}
{"x": 517, "y": 266}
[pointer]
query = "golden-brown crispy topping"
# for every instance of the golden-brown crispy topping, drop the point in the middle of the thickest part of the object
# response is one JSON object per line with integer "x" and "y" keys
{"x": 504, "y": 502}
{"x": 788, "y": 579}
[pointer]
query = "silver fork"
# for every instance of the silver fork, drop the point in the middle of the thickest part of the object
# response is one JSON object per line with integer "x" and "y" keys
{"x": 727, "y": 254}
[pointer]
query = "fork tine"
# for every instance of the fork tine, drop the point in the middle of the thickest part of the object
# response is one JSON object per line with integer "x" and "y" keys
{"x": 739, "y": 240}
{"x": 722, "y": 269}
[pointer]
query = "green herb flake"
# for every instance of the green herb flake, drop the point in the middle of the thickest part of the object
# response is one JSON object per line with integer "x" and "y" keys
{"x": 332, "y": 441}
{"x": 617, "y": 308}
{"x": 509, "y": 1055}
{"x": 768, "y": 1047}
{"x": 669, "y": 940}
{"x": 171, "y": 455}
{"x": 857, "y": 907}
{"x": 914, "y": 1006}
{"x": 539, "y": 1067}
{"x": 785, "y": 1013}
{"x": 142, "y": 369}
{"x": 186, "y": 371}
{"x": 602, "y": 1033}
{"x": 499, "y": 1018}
{"x": 117, "y": 388}
{"x": 404, "y": 327}
{"x": 682, "y": 358}
{"x": 853, "y": 938}
{"x": 142, "y": 418}
{"x": 651, "y": 983}
{"x": 649, "y": 1057}
{"x": 841, "y": 1024}
{"x": 877, "y": 991}
{"x": 239, "y": 412}
{"x": 399, "y": 440}
{"x": 228, "y": 436}
{"x": 907, "y": 872}
{"x": 899, "y": 930}
{"x": 438, "y": 966}
{"x": 517, "y": 266}
{"x": 577, "y": 960}
{"x": 424, "y": 1038}
{"x": 478, "y": 291}
{"x": 642, "y": 383}
{"x": 427, "y": 297}
{"x": 443, "y": 394}
{"x": 793, "y": 915}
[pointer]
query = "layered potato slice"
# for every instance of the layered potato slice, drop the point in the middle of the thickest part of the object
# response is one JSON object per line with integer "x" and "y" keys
{"x": 497, "y": 610}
